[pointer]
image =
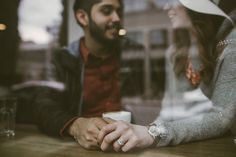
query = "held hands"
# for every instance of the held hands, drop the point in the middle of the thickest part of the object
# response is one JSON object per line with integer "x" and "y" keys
{"x": 123, "y": 136}
{"x": 92, "y": 133}
{"x": 85, "y": 131}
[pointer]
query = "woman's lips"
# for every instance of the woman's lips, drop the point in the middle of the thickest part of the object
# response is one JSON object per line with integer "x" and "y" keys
{"x": 171, "y": 14}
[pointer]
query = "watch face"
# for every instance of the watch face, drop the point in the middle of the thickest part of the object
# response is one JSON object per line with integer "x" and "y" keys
{"x": 153, "y": 130}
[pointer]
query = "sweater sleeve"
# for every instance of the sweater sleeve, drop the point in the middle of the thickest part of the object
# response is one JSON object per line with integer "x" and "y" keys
{"x": 221, "y": 116}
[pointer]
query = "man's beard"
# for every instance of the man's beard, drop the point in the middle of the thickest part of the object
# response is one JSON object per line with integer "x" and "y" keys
{"x": 98, "y": 33}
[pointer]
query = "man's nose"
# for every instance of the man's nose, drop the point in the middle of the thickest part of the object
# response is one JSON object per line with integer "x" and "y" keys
{"x": 115, "y": 17}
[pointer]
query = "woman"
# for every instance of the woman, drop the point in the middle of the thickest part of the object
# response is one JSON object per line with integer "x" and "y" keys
{"x": 183, "y": 98}
{"x": 216, "y": 41}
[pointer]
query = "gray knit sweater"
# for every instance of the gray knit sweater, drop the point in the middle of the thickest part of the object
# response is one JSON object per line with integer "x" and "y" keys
{"x": 221, "y": 118}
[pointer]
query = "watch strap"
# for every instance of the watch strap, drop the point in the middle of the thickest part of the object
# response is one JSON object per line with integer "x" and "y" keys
{"x": 153, "y": 132}
{"x": 160, "y": 135}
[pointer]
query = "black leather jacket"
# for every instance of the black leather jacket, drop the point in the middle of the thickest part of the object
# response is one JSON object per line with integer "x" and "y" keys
{"x": 53, "y": 108}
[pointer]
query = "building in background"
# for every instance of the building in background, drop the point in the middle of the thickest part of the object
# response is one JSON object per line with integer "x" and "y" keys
{"x": 148, "y": 25}
{"x": 40, "y": 35}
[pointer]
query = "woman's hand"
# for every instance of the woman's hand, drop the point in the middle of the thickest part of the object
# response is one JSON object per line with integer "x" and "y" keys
{"x": 123, "y": 136}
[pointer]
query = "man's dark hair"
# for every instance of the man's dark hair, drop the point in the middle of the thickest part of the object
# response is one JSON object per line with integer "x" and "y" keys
{"x": 85, "y": 5}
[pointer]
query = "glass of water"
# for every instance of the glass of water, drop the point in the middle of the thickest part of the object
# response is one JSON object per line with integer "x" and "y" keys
{"x": 8, "y": 107}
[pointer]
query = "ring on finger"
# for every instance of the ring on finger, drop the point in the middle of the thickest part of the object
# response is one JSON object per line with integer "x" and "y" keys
{"x": 120, "y": 142}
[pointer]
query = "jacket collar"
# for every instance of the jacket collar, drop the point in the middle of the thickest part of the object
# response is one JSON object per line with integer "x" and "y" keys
{"x": 73, "y": 48}
{"x": 69, "y": 57}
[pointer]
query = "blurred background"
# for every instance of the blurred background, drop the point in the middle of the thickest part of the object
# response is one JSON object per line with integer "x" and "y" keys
{"x": 30, "y": 30}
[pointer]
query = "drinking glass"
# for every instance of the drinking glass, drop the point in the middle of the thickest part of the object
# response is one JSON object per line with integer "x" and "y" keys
{"x": 8, "y": 107}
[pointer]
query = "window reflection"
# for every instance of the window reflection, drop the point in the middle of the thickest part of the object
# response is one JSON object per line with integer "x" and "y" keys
{"x": 134, "y": 41}
{"x": 137, "y": 5}
{"x": 39, "y": 22}
{"x": 148, "y": 26}
{"x": 158, "y": 38}
{"x": 145, "y": 47}
{"x": 39, "y": 27}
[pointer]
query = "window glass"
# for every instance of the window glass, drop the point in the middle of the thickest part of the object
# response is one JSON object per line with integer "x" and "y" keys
{"x": 158, "y": 38}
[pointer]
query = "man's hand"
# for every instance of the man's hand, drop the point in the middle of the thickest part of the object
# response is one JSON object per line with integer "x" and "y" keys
{"x": 85, "y": 131}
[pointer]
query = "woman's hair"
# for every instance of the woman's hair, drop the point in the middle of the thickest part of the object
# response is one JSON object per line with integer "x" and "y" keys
{"x": 204, "y": 29}
{"x": 182, "y": 41}
{"x": 209, "y": 30}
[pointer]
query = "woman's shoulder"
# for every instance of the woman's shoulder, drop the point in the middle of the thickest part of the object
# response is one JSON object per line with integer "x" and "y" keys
{"x": 229, "y": 45}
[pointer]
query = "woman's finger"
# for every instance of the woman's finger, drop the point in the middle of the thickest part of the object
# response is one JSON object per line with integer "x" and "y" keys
{"x": 109, "y": 139}
{"x": 130, "y": 144}
{"x": 121, "y": 141}
{"x": 104, "y": 131}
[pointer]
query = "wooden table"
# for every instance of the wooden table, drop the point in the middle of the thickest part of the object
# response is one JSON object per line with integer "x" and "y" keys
{"x": 29, "y": 142}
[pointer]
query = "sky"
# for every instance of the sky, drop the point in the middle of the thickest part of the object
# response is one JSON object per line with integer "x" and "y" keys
{"x": 35, "y": 16}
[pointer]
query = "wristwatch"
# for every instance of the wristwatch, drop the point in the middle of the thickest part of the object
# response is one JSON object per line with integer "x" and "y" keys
{"x": 153, "y": 131}
{"x": 157, "y": 132}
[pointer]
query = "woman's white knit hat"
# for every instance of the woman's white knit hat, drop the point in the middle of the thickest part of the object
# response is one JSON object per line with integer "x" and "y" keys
{"x": 205, "y": 7}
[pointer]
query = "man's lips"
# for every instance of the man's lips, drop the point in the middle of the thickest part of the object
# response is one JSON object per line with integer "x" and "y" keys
{"x": 114, "y": 31}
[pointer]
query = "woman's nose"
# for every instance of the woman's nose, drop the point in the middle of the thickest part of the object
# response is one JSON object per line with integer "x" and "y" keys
{"x": 166, "y": 6}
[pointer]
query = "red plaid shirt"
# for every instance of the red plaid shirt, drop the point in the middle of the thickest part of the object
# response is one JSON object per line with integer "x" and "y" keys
{"x": 101, "y": 84}
{"x": 101, "y": 91}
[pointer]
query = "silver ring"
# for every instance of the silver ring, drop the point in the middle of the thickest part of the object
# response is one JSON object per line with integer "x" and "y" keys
{"x": 120, "y": 142}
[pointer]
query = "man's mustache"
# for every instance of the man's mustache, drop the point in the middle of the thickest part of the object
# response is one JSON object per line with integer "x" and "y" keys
{"x": 116, "y": 26}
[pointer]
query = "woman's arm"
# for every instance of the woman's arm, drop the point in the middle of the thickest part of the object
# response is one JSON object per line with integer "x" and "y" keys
{"x": 220, "y": 118}
{"x": 214, "y": 123}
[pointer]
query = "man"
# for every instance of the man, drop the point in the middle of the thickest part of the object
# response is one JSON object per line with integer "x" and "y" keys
{"x": 89, "y": 69}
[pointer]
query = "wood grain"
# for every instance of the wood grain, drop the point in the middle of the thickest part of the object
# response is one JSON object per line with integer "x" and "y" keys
{"x": 29, "y": 142}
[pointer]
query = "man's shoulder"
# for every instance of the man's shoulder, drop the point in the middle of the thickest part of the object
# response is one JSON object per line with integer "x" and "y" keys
{"x": 73, "y": 48}
{"x": 70, "y": 51}
{"x": 63, "y": 58}
{"x": 61, "y": 54}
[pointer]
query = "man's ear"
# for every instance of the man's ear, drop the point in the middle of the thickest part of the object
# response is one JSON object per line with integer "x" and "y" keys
{"x": 82, "y": 17}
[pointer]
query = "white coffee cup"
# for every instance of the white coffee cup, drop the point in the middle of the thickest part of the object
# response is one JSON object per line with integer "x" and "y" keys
{"x": 119, "y": 115}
